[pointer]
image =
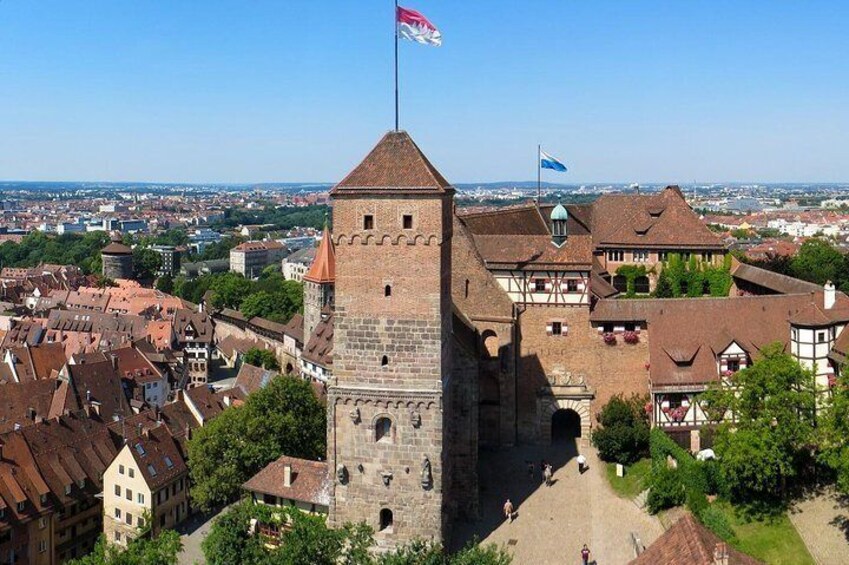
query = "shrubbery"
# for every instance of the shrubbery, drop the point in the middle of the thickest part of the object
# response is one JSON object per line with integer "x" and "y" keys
{"x": 667, "y": 490}
{"x": 624, "y": 433}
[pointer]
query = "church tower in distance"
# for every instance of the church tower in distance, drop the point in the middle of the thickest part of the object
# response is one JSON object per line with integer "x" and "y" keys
{"x": 387, "y": 432}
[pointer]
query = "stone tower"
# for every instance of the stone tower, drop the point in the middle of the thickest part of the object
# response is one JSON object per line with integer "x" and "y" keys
{"x": 117, "y": 260}
{"x": 319, "y": 284}
{"x": 387, "y": 431}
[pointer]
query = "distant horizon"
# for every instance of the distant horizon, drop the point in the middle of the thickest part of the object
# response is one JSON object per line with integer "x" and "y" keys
{"x": 462, "y": 183}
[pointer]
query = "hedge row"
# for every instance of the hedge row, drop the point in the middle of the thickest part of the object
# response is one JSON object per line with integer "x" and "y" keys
{"x": 689, "y": 483}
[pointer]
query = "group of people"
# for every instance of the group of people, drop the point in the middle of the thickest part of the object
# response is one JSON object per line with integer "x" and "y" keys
{"x": 547, "y": 471}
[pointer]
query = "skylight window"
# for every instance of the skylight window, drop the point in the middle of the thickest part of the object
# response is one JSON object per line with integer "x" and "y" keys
{"x": 140, "y": 450}
{"x": 151, "y": 470}
{"x": 168, "y": 462}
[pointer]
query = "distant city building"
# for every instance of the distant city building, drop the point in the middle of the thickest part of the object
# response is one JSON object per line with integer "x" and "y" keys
{"x": 295, "y": 243}
{"x": 250, "y": 258}
{"x": 193, "y": 270}
{"x": 170, "y": 260}
{"x": 296, "y": 265}
{"x": 131, "y": 226}
{"x": 71, "y": 227}
{"x": 202, "y": 237}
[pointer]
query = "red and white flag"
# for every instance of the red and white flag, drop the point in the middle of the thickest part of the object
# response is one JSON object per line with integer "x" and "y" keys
{"x": 415, "y": 27}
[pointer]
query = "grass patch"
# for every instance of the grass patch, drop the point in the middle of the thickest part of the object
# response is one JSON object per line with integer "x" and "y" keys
{"x": 773, "y": 540}
{"x": 634, "y": 481}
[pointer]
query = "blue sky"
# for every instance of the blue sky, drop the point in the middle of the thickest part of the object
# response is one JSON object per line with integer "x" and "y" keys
{"x": 299, "y": 90}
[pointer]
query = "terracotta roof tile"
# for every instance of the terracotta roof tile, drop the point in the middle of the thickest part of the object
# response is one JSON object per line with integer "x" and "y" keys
{"x": 323, "y": 268}
{"x": 310, "y": 482}
{"x": 396, "y": 164}
{"x": 688, "y": 542}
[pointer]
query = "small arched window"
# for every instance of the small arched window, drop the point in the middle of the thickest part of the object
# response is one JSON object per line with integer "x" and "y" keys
{"x": 386, "y": 520}
{"x": 387, "y": 290}
{"x": 383, "y": 430}
{"x": 384, "y": 361}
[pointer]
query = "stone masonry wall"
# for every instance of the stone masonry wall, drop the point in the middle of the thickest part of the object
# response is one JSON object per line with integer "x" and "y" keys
{"x": 608, "y": 369}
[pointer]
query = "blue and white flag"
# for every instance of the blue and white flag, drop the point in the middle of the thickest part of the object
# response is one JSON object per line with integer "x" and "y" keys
{"x": 546, "y": 161}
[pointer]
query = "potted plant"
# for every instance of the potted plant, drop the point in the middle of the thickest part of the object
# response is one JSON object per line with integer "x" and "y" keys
{"x": 631, "y": 337}
{"x": 609, "y": 338}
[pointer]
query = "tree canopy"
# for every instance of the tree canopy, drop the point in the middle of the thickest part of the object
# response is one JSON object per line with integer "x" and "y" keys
{"x": 264, "y": 358}
{"x": 285, "y": 417}
{"x": 82, "y": 250}
{"x": 307, "y": 539}
{"x": 623, "y": 436}
{"x": 161, "y": 550}
{"x": 271, "y": 296}
{"x": 762, "y": 450}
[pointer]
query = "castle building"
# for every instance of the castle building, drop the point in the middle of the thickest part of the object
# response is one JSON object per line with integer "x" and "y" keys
{"x": 117, "y": 260}
{"x": 319, "y": 283}
{"x": 394, "y": 436}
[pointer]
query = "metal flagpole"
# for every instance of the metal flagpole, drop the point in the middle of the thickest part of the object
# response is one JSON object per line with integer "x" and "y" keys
{"x": 396, "y": 65}
{"x": 539, "y": 176}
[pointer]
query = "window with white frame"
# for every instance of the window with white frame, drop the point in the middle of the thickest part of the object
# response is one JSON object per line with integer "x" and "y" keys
{"x": 641, "y": 256}
{"x": 615, "y": 255}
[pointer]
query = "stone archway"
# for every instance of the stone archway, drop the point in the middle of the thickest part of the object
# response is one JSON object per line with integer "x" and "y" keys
{"x": 565, "y": 426}
{"x": 549, "y": 405}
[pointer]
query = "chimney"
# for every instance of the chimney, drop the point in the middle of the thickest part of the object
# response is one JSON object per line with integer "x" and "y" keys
{"x": 829, "y": 295}
{"x": 139, "y": 429}
{"x": 114, "y": 358}
{"x": 227, "y": 401}
{"x": 287, "y": 475}
{"x": 720, "y": 554}
{"x": 188, "y": 432}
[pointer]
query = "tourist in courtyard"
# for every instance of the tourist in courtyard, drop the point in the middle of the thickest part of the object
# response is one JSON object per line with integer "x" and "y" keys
{"x": 508, "y": 510}
{"x": 582, "y": 463}
{"x": 585, "y": 554}
{"x": 547, "y": 475}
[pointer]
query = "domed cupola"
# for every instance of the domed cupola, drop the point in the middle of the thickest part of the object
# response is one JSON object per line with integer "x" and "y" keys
{"x": 559, "y": 219}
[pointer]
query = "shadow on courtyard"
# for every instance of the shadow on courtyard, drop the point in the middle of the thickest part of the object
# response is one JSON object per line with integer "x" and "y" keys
{"x": 504, "y": 473}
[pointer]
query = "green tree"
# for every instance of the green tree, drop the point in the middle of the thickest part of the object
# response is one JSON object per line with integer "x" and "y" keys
{"x": 833, "y": 431}
{"x": 285, "y": 417}
{"x": 165, "y": 284}
{"x": 146, "y": 262}
{"x": 229, "y": 539}
{"x": 818, "y": 262}
{"x": 162, "y": 550}
{"x": 762, "y": 450}
{"x": 230, "y": 290}
{"x": 264, "y": 358}
{"x": 624, "y": 433}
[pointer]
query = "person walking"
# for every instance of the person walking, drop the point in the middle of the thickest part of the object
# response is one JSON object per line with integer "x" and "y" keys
{"x": 547, "y": 475}
{"x": 582, "y": 463}
{"x": 508, "y": 510}
{"x": 585, "y": 555}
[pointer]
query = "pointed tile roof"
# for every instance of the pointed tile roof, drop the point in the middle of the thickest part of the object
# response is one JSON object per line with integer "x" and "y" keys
{"x": 323, "y": 268}
{"x": 396, "y": 164}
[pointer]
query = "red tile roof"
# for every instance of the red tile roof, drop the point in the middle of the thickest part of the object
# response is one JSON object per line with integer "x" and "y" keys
{"x": 688, "y": 542}
{"x": 310, "y": 482}
{"x": 396, "y": 164}
{"x": 323, "y": 268}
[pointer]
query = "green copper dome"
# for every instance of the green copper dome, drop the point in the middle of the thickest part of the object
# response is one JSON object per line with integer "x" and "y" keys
{"x": 559, "y": 213}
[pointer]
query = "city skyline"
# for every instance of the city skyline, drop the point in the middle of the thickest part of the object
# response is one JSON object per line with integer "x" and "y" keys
{"x": 646, "y": 92}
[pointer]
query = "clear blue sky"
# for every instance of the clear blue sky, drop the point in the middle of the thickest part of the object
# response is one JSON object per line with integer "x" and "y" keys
{"x": 299, "y": 90}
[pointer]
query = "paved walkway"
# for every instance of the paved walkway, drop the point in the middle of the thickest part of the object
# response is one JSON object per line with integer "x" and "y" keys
{"x": 192, "y": 532}
{"x": 553, "y": 523}
{"x": 822, "y": 519}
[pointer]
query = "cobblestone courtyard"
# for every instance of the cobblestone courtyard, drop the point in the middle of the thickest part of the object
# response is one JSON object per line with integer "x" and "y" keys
{"x": 822, "y": 519}
{"x": 554, "y": 522}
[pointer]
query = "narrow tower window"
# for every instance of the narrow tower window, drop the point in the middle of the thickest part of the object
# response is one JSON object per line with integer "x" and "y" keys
{"x": 387, "y": 290}
{"x": 386, "y": 520}
{"x": 384, "y": 361}
{"x": 368, "y": 222}
{"x": 467, "y": 288}
{"x": 383, "y": 430}
{"x": 408, "y": 222}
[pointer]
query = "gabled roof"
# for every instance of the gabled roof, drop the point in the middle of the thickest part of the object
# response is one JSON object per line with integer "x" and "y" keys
{"x": 662, "y": 220}
{"x": 319, "y": 348}
{"x": 158, "y": 457}
{"x": 116, "y": 248}
{"x": 323, "y": 268}
{"x": 395, "y": 165}
{"x": 689, "y": 543}
{"x": 252, "y": 378}
{"x": 310, "y": 482}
